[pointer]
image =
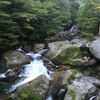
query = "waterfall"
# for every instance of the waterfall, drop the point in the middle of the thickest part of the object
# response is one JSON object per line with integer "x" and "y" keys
{"x": 3, "y": 75}
{"x": 72, "y": 28}
{"x": 49, "y": 98}
{"x": 32, "y": 70}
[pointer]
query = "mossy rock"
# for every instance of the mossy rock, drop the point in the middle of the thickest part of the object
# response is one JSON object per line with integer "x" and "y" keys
{"x": 37, "y": 89}
{"x": 28, "y": 93}
{"x": 39, "y": 47}
{"x": 66, "y": 56}
{"x": 72, "y": 93}
{"x": 14, "y": 58}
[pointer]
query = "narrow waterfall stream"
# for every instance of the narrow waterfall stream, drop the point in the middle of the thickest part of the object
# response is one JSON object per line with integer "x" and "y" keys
{"x": 30, "y": 72}
{"x": 72, "y": 28}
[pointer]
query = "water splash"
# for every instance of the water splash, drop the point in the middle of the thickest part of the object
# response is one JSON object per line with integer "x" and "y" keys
{"x": 3, "y": 75}
{"x": 20, "y": 49}
{"x": 32, "y": 70}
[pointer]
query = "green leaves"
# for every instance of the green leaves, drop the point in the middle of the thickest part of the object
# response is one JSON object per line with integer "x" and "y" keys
{"x": 88, "y": 18}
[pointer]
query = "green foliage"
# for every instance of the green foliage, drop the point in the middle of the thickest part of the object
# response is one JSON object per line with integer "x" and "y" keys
{"x": 88, "y": 18}
{"x": 89, "y": 36}
{"x": 49, "y": 20}
{"x": 8, "y": 29}
{"x": 32, "y": 20}
{"x": 29, "y": 20}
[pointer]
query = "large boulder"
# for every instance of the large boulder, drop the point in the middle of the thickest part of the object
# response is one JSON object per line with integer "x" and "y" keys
{"x": 79, "y": 87}
{"x": 95, "y": 49}
{"x": 64, "y": 52}
{"x": 35, "y": 90}
{"x": 14, "y": 58}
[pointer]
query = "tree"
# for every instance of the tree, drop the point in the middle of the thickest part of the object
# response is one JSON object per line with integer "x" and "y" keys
{"x": 88, "y": 19}
{"x": 8, "y": 28}
{"x": 49, "y": 20}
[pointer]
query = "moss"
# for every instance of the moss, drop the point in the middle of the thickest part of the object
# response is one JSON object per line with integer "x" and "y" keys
{"x": 59, "y": 46}
{"x": 29, "y": 94}
{"x": 67, "y": 55}
{"x": 11, "y": 56}
{"x": 32, "y": 92}
{"x": 72, "y": 76}
{"x": 72, "y": 93}
{"x": 37, "y": 84}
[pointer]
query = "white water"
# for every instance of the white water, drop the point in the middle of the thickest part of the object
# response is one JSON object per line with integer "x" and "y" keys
{"x": 32, "y": 70}
{"x": 3, "y": 75}
{"x": 72, "y": 28}
{"x": 20, "y": 49}
{"x": 49, "y": 98}
{"x": 92, "y": 98}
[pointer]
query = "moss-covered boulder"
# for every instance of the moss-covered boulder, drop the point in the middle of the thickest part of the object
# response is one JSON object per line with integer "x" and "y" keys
{"x": 34, "y": 90}
{"x": 64, "y": 52}
{"x": 70, "y": 55}
{"x": 14, "y": 58}
{"x": 79, "y": 87}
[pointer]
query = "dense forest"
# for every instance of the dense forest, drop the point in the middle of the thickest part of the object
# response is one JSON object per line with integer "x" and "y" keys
{"x": 33, "y": 20}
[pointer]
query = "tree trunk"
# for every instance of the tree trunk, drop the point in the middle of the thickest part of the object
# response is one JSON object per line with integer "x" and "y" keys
{"x": 99, "y": 30}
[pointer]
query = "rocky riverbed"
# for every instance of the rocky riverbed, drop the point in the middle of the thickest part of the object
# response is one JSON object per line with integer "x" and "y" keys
{"x": 73, "y": 65}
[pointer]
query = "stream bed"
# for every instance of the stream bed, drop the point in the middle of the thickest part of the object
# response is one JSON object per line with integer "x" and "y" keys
{"x": 30, "y": 72}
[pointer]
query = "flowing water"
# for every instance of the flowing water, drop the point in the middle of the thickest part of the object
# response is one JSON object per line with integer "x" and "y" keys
{"x": 31, "y": 71}
{"x": 72, "y": 28}
{"x": 4, "y": 74}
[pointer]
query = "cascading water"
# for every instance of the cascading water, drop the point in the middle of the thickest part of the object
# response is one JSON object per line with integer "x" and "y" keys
{"x": 72, "y": 28}
{"x": 49, "y": 98}
{"x": 32, "y": 70}
{"x": 4, "y": 74}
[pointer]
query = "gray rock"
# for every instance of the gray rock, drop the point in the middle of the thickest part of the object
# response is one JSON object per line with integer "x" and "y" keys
{"x": 78, "y": 85}
{"x": 64, "y": 52}
{"x": 95, "y": 49}
{"x": 14, "y": 58}
{"x": 39, "y": 47}
{"x": 80, "y": 41}
{"x": 26, "y": 48}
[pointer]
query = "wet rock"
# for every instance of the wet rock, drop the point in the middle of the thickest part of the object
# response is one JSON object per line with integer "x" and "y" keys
{"x": 49, "y": 64}
{"x": 34, "y": 90}
{"x": 83, "y": 47}
{"x": 57, "y": 91}
{"x": 27, "y": 48}
{"x": 12, "y": 72}
{"x": 90, "y": 62}
{"x": 95, "y": 49}
{"x": 14, "y": 58}
{"x": 39, "y": 47}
